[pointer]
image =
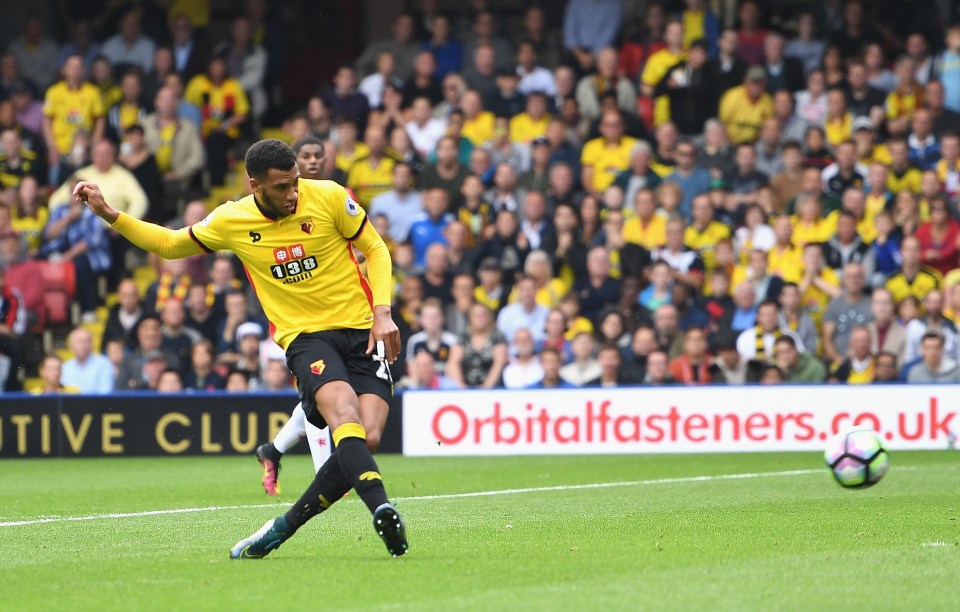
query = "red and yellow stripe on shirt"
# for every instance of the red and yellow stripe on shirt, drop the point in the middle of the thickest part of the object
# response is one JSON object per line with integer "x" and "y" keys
{"x": 301, "y": 266}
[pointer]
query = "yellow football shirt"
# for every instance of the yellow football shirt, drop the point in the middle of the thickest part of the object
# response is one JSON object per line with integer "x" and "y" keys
{"x": 693, "y": 26}
{"x": 908, "y": 181}
{"x": 345, "y": 162}
{"x": 839, "y": 130}
{"x": 71, "y": 109}
{"x": 649, "y": 236}
{"x": 524, "y": 129}
{"x": 786, "y": 263}
{"x": 302, "y": 267}
{"x": 367, "y": 181}
{"x": 653, "y": 72}
{"x": 607, "y": 162}
{"x": 880, "y": 153}
{"x": 705, "y": 241}
{"x": 742, "y": 117}
{"x": 217, "y": 103}
{"x": 31, "y": 228}
{"x": 925, "y": 281}
{"x": 479, "y": 130}
{"x": 820, "y": 231}
{"x": 815, "y": 300}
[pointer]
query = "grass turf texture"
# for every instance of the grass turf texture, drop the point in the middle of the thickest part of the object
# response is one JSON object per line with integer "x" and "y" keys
{"x": 783, "y": 542}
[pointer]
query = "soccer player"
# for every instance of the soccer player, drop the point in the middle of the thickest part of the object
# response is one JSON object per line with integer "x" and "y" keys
{"x": 296, "y": 238}
{"x": 311, "y": 159}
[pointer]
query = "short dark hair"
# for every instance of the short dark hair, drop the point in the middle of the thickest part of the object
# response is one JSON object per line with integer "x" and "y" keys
{"x": 932, "y": 334}
{"x": 308, "y": 140}
{"x": 268, "y": 154}
{"x": 786, "y": 340}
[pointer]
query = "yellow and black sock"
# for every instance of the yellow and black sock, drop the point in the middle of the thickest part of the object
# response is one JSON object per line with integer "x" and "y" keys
{"x": 328, "y": 486}
{"x": 357, "y": 464}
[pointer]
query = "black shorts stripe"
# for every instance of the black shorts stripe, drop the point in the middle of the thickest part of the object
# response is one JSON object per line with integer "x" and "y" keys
{"x": 197, "y": 240}
{"x": 363, "y": 224}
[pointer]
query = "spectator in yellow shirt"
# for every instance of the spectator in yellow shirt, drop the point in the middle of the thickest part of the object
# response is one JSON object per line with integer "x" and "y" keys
{"x": 646, "y": 228}
{"x": 532, "y": 122}
{"x": 224, "y": 107}
{"x": 372, "y": 174}
{"x": 818, "y": 283}
{"x": 901, "y": 175}
{"x": 838, "y": 123}
{"x": 68, "y": 106}
{"x": 907, "y": 97}
{"x": 743, "y": 108}
{"x": 605, "y": 157}
{"x": 809, "y": 224}
{"x": 657, "y": 67}
{"x": 703, "y": 234}
{"x": 785, "y": 257}
{"x": 477, "y": 123}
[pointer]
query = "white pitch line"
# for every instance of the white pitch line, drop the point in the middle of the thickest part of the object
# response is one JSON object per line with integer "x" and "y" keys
{"x": 596, "y": 485}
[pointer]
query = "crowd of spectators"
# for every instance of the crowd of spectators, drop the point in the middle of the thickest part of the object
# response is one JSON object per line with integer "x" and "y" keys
{"x": 654, "y": 193}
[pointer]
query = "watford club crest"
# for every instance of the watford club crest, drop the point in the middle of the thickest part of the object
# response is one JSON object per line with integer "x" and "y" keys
{"x": 307, "y": 226}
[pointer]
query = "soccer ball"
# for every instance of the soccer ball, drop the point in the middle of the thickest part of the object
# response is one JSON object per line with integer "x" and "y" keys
{"x": 857, "y": 458}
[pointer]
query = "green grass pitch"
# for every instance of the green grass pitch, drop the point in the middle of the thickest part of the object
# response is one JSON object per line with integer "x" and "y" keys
{"x": 661, "y": 539}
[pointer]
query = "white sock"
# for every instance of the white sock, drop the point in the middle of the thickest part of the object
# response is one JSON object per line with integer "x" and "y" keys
{"x": 321, "y": 446}
{"x": 292, "y": 431}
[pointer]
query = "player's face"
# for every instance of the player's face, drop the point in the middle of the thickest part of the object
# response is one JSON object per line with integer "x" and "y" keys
{"x": 279, "y": 191}
{"x": 311, "y": 160}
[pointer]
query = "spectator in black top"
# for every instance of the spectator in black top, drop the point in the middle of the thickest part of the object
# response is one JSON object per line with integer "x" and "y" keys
{"x": 745, "y": 180}
{"x": 201, "y": 376}
{"x": 687, "y": 85}
{"x": 598, "y": 290}
{"x": 726, "y": 69}
{"x": 861, "y": 97}
{"x": 344, "y": 100}
{"x": 177, "y": 338}
{"x": 199, "y": 314}
{"x": 423, "y": 83}
{"x": 507, "y": 100}
{"x": 436, "y": 279}
{"x": 944, "y": 119}
{"x": 845, "y": 172}
{"x": 125, "y": 317}
{"x": 783, "y": 73}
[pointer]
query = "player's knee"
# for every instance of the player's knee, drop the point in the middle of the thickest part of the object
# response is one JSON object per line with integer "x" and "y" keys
{"x": 373, "y": 439}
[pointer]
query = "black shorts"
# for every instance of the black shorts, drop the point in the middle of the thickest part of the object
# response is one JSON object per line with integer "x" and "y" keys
{"x": 317, "y": 358}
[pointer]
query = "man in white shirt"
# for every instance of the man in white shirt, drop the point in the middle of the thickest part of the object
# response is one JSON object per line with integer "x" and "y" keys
{"x": 757, "y": 342}
{"x": 130, "y": 47}
{"x": 524, "y": 368}
{"x": 372, "y": 85}
{"x": 424, "y": 131}
{"x": 525, "y": 312}
{"x": 89, "y": 372}
{"x": 533, "y": 77}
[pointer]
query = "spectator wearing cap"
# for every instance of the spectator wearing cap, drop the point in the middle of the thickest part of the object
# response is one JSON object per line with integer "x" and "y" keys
{"x": 135, "y": 366}
{"x": 869, "y": 151}
{"x": 248, "y": 339}
{"x": 743, "y": 108}
{"x": 89, "y": 372}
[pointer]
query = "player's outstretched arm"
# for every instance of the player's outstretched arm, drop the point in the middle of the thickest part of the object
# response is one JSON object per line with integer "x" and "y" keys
{"x": 167, "y": 243}
{"x": 379, "y": 270}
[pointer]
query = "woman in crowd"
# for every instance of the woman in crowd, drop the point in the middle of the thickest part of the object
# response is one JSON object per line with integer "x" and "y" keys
{"x": 479, "y": 358}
